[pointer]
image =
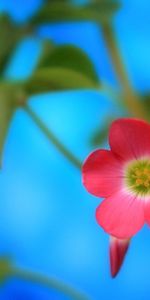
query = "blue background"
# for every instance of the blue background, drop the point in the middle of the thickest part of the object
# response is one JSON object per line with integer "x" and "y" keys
{"x": 47, "y": 219}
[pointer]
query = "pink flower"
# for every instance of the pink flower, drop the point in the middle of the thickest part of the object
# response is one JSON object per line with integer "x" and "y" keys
{"x": 122, "y": 176}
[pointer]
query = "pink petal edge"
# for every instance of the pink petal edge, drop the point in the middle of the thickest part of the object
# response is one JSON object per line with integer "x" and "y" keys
{"x": 121, "y": 215}
{"x": 102, "y": 173}
{"x": 130, "y": 138}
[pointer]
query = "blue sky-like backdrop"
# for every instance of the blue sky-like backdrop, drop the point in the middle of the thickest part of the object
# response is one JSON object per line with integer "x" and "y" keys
{"x": 47, "y": 219}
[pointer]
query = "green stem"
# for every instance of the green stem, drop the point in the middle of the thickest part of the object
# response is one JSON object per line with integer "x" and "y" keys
{"x": 53, "y": 139}
{"x": 47, "y": 282}
{"x": 113, "y": 94}
{"x": 130, "y": 98}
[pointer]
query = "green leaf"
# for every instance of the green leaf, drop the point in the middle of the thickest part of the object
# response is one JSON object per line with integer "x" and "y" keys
{"x": 48, "y": 47}
{"x": 11, "y": 96}
{"x": 9, "y": 36}
{"x": 57, "y": 11}
{"x": 70, "y": 57}
{"x": 57, "y": 79}
{"x": 6, "y": 112}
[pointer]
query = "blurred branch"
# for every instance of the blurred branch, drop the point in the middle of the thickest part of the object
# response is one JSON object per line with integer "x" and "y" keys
{"x": 112, "y": 93}
{"x": 99, "y": 135}
{"x": 8, "y": 270}
{"x": 50, "y": 283}
{"x": 130, "y": 98}
{"x": 52, "y": 138}
{"x": 60, "y": 11}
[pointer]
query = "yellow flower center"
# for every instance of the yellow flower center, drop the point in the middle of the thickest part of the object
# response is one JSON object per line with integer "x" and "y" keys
{"x": 137, "y": 177}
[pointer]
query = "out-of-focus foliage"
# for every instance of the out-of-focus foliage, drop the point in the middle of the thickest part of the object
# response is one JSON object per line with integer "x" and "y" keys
{"x": 59, "y": 67}
{"x": 10, "y": 94}
{"x": 70, "y": 57}
{"x": 63, "y": 67}
{"x": 5, "y": 269}
{"x": 48, "y": 48}
{"x": 56, "y": 11}
{"x": 10, "y": 34}
{"x": 55, "y": 79}
{"x": 7, "y": 41}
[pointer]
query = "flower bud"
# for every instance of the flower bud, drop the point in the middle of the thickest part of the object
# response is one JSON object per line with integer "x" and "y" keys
{"x": 118, "y": 250}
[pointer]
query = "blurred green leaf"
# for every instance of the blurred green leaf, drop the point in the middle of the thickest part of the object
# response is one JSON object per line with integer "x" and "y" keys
{"x": 57, "y": 11}
{"x": 11, "y": 96}
{"x": 6, "y": 112}
{"x": 70, "y": 57}
{"x": 5, "y": 269}
{"x": 9, "y": 36}
{"x": 57, "y": 79}
{"x": 48, "y": 47}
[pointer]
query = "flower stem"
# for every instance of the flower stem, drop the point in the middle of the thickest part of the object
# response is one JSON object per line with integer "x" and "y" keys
{"x": 47, "y": 282}
{"x": 53, "y": 139}
{"x": 130, "y": 98}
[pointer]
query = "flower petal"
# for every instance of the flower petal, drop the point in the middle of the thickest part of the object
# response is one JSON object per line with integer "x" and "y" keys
{"x": 147, "y": 211}
{"x": 130, "y": 138}
{"x": 121, "y": 215}
{"x": 102, "y": 173}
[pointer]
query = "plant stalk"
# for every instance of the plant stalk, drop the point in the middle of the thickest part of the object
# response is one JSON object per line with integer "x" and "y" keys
{"x": 47, "y": 282}
{"x": 52, "y": 138}
{"x": 130, "y": 98}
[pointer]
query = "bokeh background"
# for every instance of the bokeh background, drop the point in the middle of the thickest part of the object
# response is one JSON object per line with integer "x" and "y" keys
{"x": 47, "y": 221}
